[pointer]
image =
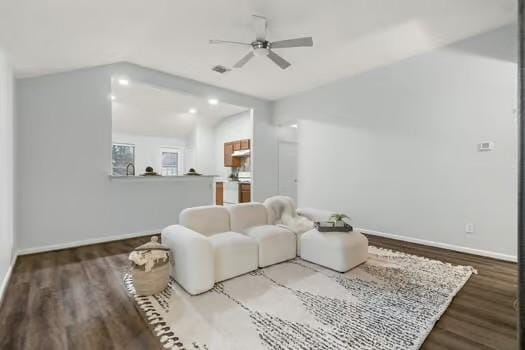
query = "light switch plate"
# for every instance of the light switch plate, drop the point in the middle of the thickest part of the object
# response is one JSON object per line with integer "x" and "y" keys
{"x": 486, "y": 146}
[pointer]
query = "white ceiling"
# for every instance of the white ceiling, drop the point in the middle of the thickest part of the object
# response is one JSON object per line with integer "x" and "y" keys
{"x": 144, "y": 110}
{"x": 350, "y": 36}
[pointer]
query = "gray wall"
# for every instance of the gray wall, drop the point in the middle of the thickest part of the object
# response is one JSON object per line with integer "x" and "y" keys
{"x": 6, "y": 174}
{"x": 397, "y": 147}
{"x": 64, "y": 143}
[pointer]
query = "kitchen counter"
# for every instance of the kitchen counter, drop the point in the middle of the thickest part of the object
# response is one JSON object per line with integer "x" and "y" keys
{"x": 161, "y": 178}
{"x": 222, "y": 179}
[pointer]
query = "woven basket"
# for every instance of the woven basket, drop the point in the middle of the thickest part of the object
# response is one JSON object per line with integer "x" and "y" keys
{"x": 152, "y": 282}
{"x": 155, "y": 280}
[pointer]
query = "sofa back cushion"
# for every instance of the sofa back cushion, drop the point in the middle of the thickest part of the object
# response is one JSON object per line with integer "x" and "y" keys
{"x": 247, "y": 215}
{"x": 208, "y": 220}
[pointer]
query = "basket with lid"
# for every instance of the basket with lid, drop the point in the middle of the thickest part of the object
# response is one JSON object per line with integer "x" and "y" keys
{"x": 150, "y": 267}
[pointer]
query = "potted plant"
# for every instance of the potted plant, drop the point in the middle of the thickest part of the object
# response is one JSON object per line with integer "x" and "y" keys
{"x": 338, "y": 219}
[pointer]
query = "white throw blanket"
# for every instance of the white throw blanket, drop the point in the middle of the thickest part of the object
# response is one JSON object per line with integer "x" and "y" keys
{"x": 148, "y": 258}
{"x": 282, "y": 211}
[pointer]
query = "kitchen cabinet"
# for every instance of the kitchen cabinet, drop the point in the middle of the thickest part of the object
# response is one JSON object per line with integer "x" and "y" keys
{"x": 245, "y": 144}
{"x": 219, "y": 193}
{"x": 245, "y": 193}
{"x": 232, "y": 192}
{"x": 229, "y": 161}
{"x": 237, "y": 145}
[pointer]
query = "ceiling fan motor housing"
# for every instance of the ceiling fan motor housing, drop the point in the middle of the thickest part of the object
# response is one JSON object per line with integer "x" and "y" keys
{"x": 261, "y": 48}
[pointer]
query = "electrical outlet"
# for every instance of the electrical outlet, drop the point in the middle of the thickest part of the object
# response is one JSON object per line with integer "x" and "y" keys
{"x": 469, "y": 228}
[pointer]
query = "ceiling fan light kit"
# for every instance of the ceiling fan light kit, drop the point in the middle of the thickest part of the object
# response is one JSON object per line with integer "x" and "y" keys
{"x": 262, "y": 47}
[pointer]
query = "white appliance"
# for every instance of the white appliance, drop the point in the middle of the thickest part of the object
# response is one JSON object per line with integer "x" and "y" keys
{"x": 244, "y": 176}
{"x": 231, "y": 188}
{"x": 231, "y": 192}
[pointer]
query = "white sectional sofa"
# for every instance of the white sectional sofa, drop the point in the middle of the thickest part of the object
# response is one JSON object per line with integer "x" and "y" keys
{"x": 214, "y": 243}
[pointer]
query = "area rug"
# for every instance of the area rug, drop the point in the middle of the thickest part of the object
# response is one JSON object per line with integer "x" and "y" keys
{"x": 390, "y": 302}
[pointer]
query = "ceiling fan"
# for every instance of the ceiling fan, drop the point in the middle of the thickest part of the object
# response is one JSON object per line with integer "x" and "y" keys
{"x": 262, "y": 47}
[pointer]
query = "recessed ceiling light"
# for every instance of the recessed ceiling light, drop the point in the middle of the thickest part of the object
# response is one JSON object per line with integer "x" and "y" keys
{"x": 213, "y": 101}
{"x": 112, "y": 97}
{"x": 294, "y": 126}
{"x": 192, "y": 110}
{"x": 124, "y": 82}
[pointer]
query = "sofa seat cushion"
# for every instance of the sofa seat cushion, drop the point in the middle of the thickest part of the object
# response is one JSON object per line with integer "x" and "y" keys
{"x": 235, "y": 254}
{"x": 276, "y": 244}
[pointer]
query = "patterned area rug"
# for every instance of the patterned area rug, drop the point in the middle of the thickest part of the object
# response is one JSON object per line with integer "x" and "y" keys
{"x": 390, "y": 302}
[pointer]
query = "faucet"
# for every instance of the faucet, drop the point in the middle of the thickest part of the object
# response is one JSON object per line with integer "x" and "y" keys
{"x": 127, "y": 169}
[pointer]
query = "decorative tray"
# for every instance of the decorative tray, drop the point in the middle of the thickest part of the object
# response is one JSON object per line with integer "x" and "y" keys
{"x": 329, "y": 226}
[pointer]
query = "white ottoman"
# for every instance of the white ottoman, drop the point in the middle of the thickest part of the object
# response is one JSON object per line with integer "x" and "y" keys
{"x": 338, "y": 251}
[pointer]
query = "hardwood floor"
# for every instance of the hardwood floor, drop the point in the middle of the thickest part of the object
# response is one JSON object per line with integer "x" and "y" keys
{"x": 74, "y": 299}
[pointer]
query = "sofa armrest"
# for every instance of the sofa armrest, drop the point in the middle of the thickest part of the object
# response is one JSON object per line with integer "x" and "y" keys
{"x": 193, "y": 258}
{"x": 314, "y": 214}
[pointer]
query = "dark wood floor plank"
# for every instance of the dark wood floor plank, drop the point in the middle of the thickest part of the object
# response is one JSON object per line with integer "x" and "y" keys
{"x": 74, "y": 299}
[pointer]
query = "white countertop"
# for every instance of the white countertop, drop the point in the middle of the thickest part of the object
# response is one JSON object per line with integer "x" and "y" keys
{"x": 222, "y": 179}
{"x": 161, "y": 178}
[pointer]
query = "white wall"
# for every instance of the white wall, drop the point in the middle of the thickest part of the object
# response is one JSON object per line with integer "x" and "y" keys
{"x": 233, "y": 128}
{"x": 7, "y": 239}
{"x": 190, "y": 151}
{"x": 199, "y": 149}
{"x": 65, "y": 194}
{"x": 396, "y": 148}
{"x": 148, "y": 149}
{"x": 287, "y": 134}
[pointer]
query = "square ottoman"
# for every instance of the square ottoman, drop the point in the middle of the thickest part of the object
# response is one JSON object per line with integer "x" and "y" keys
{"x": 338, "y": 251}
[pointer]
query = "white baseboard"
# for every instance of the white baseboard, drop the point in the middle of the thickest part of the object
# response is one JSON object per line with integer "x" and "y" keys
{"x": 457, "y": 248}
{"x": 90, "y": 241}
{"x": 5, "y": 282}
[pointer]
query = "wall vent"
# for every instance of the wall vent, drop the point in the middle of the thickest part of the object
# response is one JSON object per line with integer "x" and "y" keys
{"x": 220, "y": 69}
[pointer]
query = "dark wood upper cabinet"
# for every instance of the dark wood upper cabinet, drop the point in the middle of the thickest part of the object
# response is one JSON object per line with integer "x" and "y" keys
{"x": 230, "y": 161}
{"x": 228, "y": 150}
{"x": 230, "y": 147}
{"x": 245, "y": 144}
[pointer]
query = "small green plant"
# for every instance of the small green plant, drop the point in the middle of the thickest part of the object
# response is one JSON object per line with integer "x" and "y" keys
{"x": 338, "y": 219}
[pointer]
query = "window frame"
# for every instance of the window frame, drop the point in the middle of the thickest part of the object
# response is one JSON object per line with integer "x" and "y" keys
{"x": 179, "y": 152}
{"x": 131, "y": 145}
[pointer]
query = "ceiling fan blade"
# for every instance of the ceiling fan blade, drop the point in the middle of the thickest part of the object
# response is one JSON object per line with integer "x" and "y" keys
{"x": 278, "y": 60}
{"x": 299, "y": 42}
{"x": 228, "y": 42}
{"x": 260, "y": 25}
{"x": 244, "y": 60}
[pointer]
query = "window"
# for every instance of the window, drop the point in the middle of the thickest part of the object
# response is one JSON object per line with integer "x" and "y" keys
{"x": 122, "y": 156}
{"x": 169, "y": 162}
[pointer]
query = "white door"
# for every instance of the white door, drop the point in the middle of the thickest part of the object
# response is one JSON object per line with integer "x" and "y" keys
{"x": 288, "y": 169}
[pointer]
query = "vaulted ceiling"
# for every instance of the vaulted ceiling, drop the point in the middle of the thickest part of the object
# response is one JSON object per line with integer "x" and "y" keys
{"x": 350, "y": 36}
{"x": 139, "y": 109}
